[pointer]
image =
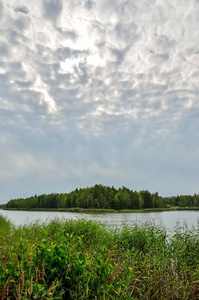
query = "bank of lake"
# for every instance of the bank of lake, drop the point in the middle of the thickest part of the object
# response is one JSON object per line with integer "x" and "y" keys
{"x": 166, "y": 218}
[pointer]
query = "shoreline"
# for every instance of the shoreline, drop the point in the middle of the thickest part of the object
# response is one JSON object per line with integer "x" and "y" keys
{"x": 104, "y": 211}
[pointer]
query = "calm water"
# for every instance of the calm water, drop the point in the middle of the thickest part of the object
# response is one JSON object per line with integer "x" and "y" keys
{"x": 167, "y": 219}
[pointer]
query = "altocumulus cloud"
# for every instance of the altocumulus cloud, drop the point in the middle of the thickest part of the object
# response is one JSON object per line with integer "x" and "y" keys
{"x": 99, "y": 92}
{"x": 21, "y": 9}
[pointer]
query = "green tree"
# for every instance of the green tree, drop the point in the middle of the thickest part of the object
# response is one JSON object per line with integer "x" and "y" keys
{"x": 147, "y": 198}
{"x": 157, "y": 201}
{"x": 117, "y": 201}
{"x": 125, "y": 200}
{"x": 135, "y": 202}
{"x": 141, "y": 201}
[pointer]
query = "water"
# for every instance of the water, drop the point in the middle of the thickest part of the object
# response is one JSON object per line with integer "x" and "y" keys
{"x": 167, "y": 219}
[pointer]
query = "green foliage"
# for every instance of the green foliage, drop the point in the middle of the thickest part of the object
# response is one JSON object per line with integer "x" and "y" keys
{"x": 86, "y": 260}
{"x": 2, "y": 206}
{"x": 5, "y": 225}
{"x": 141, "y": 238}
{"x": 103, "y": 197}
{"x": 147, "y": 199}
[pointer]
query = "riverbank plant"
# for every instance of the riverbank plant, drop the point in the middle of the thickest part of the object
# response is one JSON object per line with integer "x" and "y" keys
{"x": 87, "y": 260}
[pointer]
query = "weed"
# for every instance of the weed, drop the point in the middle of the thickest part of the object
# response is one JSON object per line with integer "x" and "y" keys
{"x": 86, "y": 260}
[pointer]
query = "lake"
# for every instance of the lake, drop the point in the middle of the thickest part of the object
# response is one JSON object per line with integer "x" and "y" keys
{"x": 167, "y": 219}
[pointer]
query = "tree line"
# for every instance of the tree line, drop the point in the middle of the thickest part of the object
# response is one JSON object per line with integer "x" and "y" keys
{"x": 103, "y": 197}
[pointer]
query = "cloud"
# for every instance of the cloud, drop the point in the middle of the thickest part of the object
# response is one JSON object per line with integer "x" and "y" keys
{"x": 4, "y": 49}
{"x": 1, "y": 9}
{"x": 52, "y": 8}
{"x": 89, "y": 4}
{"x": 105, "y": 92}
{"x": 21, "y": 9}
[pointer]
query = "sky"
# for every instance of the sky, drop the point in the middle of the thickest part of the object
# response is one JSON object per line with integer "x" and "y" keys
{"x": 99, "y": 92}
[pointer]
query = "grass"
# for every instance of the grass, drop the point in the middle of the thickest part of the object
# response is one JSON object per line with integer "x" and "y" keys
{"x": 73, "y": 209}
{"x": 103, "y": 211}
{"x": 87, "y": 260}
{"x": 100, "y": 210}
{"x": 145, "y": 210}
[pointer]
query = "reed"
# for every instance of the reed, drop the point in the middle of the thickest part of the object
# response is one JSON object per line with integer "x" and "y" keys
{"x": 87, "y": 260}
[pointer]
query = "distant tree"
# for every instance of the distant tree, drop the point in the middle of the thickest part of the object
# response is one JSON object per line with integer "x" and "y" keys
{"x": 157, "y": 201}
{"x": 117, "y": 201}
{"x": 100, "y": 196}
{"x": 135, "y": 202}
{"x": 196, "y": 200}
{"x": 110, "y": 198}
{"x": 102, "y": 201}
{"x": 147, "y": 198}
{"x": 61, "y": 200}
{"x": 141, "y": 201}
{"x": 90, "y": 201}
{"x": 73, "y": 199}
{"x": 125, "y": 199}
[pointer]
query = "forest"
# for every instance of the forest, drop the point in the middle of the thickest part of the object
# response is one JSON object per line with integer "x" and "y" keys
{"x": 103, "y": 197}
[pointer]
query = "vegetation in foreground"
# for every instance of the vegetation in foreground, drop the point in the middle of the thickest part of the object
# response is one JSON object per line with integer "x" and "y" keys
{"x": 86, "y": 260}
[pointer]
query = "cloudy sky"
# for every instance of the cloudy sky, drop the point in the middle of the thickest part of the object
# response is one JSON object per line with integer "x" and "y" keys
{"x": 102, "y": 91}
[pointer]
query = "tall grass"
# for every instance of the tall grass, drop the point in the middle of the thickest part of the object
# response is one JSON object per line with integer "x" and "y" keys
{"x": 86, "y": 260}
